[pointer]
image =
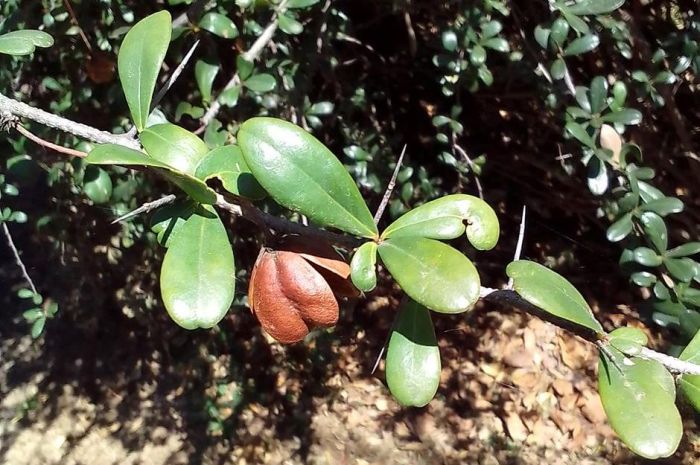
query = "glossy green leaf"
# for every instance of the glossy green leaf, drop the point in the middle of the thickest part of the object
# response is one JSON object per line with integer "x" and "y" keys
{"x": 646, "y": 256}
{"x": 625, "y": 116}
{"x": 664, "y": 206}
{"x": 112, "y": 154}
{"x": 582, "y": 44}
{"x": 643, "y": 278}
{"x": 24, "y": 42}
{"x": 449, "y": 41}
{"x": 140, "y": 58}
{"x": 559, "y": 32}
{"x": 301, "y": 3}
{"x": 690, "y": 384}
{"x": 620, "y": 228}
{"x": 448, "y": 218}
{"x": 413, "y": 357}
{"x": 577, "y": 23}
{"x": 288, "y": 24}
{"x": 682, "y": 269}
{"x": 551, "y": 292}
{"x": 260, "y": 83}
{"x": 689, "y": 322}
{"x": 640, "y": 404}
{"x": 229, "y": 97}
{"x": 432, "y": 273}
{"x": 244, "y": 67}
{"x": 227, "y": 164}
{"x": 542, "y": 35}
{"x": 205, "y": 73}
{"x": 628, "y": 340}
{"x": 97, "y": 184}
{"x": 174, "y": 146}
{"x": 597, "y": 176}
{"x": 497, "y": 43}
{"x": 595, "y": 7}
{"x": 197, "y": 279}
{"x": 558, "y": 69}
{"x": 599, "y": 93}
{"x": 300, "y": 173}
{"x": 655, "y": 230}
{"x": 363, "y": 267}
{"x": 167, "y": 221}
{"x": 685, "y": 250}
{"x": 580, "y": 133}
{"x": 219, "y": 25}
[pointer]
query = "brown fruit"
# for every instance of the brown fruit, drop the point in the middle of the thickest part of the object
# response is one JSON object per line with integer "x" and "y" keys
{"x": 289, "y": 296}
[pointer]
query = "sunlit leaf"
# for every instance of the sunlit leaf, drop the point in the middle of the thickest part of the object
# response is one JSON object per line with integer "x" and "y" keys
{"x": 97, "y": 184}
{"x": 228, "y": 165}
{"x": 363, "y": 267}
{"x": 219, "y": 25}
{"x": 174, "y": 146}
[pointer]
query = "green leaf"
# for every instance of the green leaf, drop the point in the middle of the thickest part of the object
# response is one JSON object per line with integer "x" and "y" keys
{"x": 227, "y": 164}
{"x": 260, "y": 83}
{"x": 689, "y": 321}
{"x": 685, "y": 250}
{"x": 497, "y": 43}
{"x": 301, "y": 174}
{"x": 655, "y": 230}
{"x": 551, "y": 292}
{"x": 448, "y": 218}
{"x": 112, "y": 154}
{"x": 243, "y": 67}
{"x": 363, "y": 267}
{"x": 542, "y": 36}
{"x": 24, "y": 42}
{"x": 432, "y": 273}
{"x": 197, "y": 279}
{"x": 38, "y": 327}
{"x": 205, "y": 73}
{"x": 620, "y": 228}
{"x": 690, "y": 384}
{"x": 140, "y": 58}
{"x": 682, "y": 269}
{"x": 229, "y": 97}
{"x": 97, "y": 184}
{"x": 174, "y": 146}
{"x": 168, "y": 220}
{"x": 625, "y": 116}
{"x": 595, "y": 7}
{"x": 646, "y": 256}
{"x": 289, "y": 25}
{"x": 577, "y": 23}
{"x": 664, "y": 206}
{"x": 580, "y": 133}
{"x": 599, "y": 93}
{"x": 301, "y": 3}
{"x": 628, "y": 340}
{"x": 582, "y": 44}
{"x": 560, "y": 30}
{"x": 597, "y": 176}
{"x": 219, "y": 25}
{"x": 25, "y": 293}
{"x": 640, "y": 403}
{"x": 643, "y": 278}
{"x": 32, "y": 315}
{"x": 413, "y": 357}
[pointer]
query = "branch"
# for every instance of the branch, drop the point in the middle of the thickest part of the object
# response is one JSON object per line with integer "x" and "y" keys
{"x": 458, "y": 148}
{"x": 146, "y": 207}
{"x": 389, "y": 188}
{"x": 18, "y": 259}
{"x": 49, "y": 145}
{"x": 509, "y": 298}
{"x": 251, "y": 55}
{"x": 22, "y": 110}
{"x": 176, "y": 74}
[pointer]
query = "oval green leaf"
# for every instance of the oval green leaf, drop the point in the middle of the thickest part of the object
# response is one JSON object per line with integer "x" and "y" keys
{"x": 140, "y": 58}
{"x": 432, "y": 273}
{"x": 167, "y": 221}
{"x": 113, "y": 154}
{"x": 363, "y": 267}
{"x": 690, "y": 384}
{"x": 595, "y": 7}
{"x": 227, "y": 164}
{"x": 445, "y": 218}
{"x": 300, "y": 173}
{"x": 175, "y": 146}
{"x": 639, "y": 399}
{"x": 219, "y": 25}
{"x": 581, "y": 45}
{"x": 197, "y": 279}
{"x": 97, "y": 184}
{"x": 261, "y": 83}
{"x": 413, "y": 357}
{"x": 205, "y": 73}
{"x": 551, "y": 292}
{"x": 628, "y": 340}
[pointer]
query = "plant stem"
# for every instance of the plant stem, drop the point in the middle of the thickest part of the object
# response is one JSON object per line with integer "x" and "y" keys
{"x": 18, "y": 259}
{"x": 389, "y": 188}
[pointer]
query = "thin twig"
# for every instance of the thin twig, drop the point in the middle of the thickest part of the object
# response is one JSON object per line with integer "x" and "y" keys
{"x": 146, "y": 207}
{"x": 49, "y": 145}
{"x": 18, "y": 259}
{"x": 22, "y": 110}
{"x": 389, "y": 188}
{"x": 519, "y": 244}
{"x": 251, "y": 55}
{"x": 463, "y": 153}
{"x": 173, "y": 77}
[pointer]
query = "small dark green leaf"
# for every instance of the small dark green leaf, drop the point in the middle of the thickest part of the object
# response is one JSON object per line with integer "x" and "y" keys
{"x": 551, "y": 292}
{"x": 140, "y": 58}
{"x": 558, "y": 70}
{"x": 627, "y": 116}
{"x": 449, "y": 41}
{"x": 448, "y": 218}
{"x": 289, "y": 25}
{"x": 690, "y": 384}
{"x": 595, "y": 7}
{"x": 243, "y": 67}
{"x": 413, "y": 357}
{"x": 597, "y": 176}
{"x": 646, "y": 256}
{"x": 664, "y": 206}
{"x": 363, "y": 267}
{"x": 219, "y": 25}
{"x": 227, "y": 164}
{"x": 682, "y": 269}
{"x": 167, "y": 221}
{"x": 260, "y": 83}
{"x": 560, "y": 30}
{"x": 643, "y": 278}
{"x": 656, "y": 231}
{"x": 599, "y": 94}
{"x": 477, "y": 55}
{"x": 197, "y": 279}
{"x": 580, "y": 133}
{"x": 25, "y": 293}
{"x": 174, "y": 146}
{"x": 582, "y": 45}
{"x": 300, "y": 173}
{"x": 640, "y": 404}
{"x": 97, "y": 184}
{"x": 685, "y": 250}
{"x": 497, "y": 43}
{"x": 620, "y": 228}
{"x": 301, "y": 3}
{"x": 432, "y": 273}
{"x": 542, "y": 36}
{"x": 32, "y": 315}
{"x": 689, "y": 322}
{"x": 38, "y": 327}
{"x": 229, "y": 97}
{"x": 205, "y": 73}
{"x": 577, "y": 23}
